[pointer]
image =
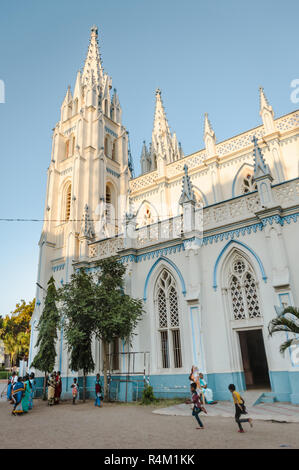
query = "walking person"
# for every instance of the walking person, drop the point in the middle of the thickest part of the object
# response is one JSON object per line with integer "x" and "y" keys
{"x": 239, "y": 408}
{"x": 51, "y": 389}
{"x": 17, "y": 395}
{"x": 58, "y": 388}
{"x": 11, "y": 381}
{"x": 197, "y": 405}
{"x": 98, "y": 391}
{"x": 27, "y": 393}
{"x": 32, "y": 382}
{"x": 75, "y": 391}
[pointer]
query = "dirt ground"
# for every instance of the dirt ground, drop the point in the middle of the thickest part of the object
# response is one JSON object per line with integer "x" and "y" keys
{"x": 120, "y": 426}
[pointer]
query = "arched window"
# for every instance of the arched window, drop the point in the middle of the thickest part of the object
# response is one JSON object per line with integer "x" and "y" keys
{"x": 68, "y": 194}
{"x": 73, "y": 144}
{"x": 248, "y": 184}
{"x": 67, "y": 148}
{"x": 108, "y": 205}
{"x": 114, "y": 151}
{"x": 106, "y": 146}
{"x": 243, "y": 290}
{"x": 106, "y": 107}
{"x": 166, "y": 300}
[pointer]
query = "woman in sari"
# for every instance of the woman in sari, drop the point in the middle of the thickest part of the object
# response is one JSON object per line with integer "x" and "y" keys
{"x": 32, "y": 382}
{"x": 26, "y": 395}
{"x": 51, "y": 389}
{"x": 208, "y": 393}
{"x": 58, "y": 388}
{"x": 11, "y": 381}
{"x": 98, "y": 391}
{"x": 17, "y": 395}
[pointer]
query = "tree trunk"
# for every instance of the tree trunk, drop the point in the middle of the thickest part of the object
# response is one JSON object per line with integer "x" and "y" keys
{"x": 84, "y": 386}
{"x": 105, "y": 363}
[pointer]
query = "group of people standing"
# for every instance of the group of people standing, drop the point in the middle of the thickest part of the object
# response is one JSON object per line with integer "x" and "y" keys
{"x": 54, "y": 388}
{"x": 20, "y": 393}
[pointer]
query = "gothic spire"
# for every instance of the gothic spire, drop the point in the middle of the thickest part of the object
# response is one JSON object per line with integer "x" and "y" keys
{"x": 187, "y": 194}
{"x": 261, "y": 168}
{"x": 162, "y": 144}
{"x": 93, "y": 70}
{"x": 266, "y": 112}
{"x": 209, "y": 137}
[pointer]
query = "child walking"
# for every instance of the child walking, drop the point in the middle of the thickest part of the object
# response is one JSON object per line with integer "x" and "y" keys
{"x": 239, "y": 407}
{"x": 75, "y": 390}
{"x": 197, "y": 405}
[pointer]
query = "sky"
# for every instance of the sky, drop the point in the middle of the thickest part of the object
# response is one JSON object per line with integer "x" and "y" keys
{"x": 205, "y": 56}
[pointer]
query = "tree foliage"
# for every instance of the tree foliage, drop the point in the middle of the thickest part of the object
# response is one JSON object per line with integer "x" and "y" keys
{"x": 117, "y": 314}
{"x": 78, "y": 310}
{"x": 15, "y": 330}
{"x": 47, "y": 331}
{"x": 288, "y": 322}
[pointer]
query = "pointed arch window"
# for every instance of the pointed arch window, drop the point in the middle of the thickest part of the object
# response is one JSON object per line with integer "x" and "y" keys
{"x": 68, "y": 195}
{"x": 243, "y": 290}
{"x": 169, "y": 335}
{"x": 248, "y": 184}
{"x": 108, "y": 205}
{"x": 114, "y": 151}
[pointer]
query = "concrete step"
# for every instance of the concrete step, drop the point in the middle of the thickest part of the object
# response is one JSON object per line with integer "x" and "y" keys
{"x": 266, "y": 397}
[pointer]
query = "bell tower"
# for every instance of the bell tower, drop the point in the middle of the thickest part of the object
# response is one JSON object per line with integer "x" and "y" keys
{"x": 88, "y": 176}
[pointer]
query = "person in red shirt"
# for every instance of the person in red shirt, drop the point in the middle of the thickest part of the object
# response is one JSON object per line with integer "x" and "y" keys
{"x": 197, "y": 405}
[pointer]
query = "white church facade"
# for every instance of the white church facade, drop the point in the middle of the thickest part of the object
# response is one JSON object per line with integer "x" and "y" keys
{"x": 210, "y": 241}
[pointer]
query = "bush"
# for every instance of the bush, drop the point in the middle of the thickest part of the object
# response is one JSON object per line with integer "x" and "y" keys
{"x": 148, "y": 396}
{"x": 4, "y": 374}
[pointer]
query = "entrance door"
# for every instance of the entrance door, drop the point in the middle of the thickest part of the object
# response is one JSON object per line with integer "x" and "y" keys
{"x": 254, "y": 359}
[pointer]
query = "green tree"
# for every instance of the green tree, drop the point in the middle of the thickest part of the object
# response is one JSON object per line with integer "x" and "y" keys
{"x": 288, "y": 322}
{"x": 15, "y": 331}
{"x": 117, "y": 314}
{"x": 78, "y": 310}
{"x": 47, "y": 327}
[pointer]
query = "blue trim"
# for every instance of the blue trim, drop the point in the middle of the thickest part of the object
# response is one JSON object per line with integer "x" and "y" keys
{"x": 166, "y": 260}
{"x": 193, "y": 335}
{"x": 236, "y": 176}
{"x": 244, "y": 246}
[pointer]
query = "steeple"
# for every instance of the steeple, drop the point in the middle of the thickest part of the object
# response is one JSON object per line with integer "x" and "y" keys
{"x": 66, "y": 110}
{"x": 115, "y": 108}
{"x": 187, "y": 194}
{"x": 262, "y": 176}
{"x": 261, "y": 169}
{"x": 145, "y": 160}
{"x": 164, "y": 147}
{"x": 93, "y": 70}
{"x": 209, "y": 138}
{"x": 266, "y": 113}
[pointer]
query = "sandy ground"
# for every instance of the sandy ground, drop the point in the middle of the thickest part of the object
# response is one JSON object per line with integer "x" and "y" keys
{"x": 120, "y": 426}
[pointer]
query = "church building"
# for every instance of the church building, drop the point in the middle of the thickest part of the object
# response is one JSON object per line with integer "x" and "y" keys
{"x": 210, "y": 241}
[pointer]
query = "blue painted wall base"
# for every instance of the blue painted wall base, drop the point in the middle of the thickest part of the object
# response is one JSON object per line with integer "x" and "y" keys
{"x": 284, "y": 386}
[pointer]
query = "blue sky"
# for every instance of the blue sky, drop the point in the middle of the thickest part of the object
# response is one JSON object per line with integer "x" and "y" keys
{"x": 205, "y": 56}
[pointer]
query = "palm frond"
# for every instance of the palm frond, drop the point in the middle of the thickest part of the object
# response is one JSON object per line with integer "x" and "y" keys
{"x": 286, "y": 345}
{"x": 284, "y": 324}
